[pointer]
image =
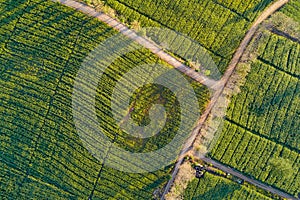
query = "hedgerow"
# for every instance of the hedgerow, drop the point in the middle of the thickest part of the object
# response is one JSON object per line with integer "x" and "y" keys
{"x": 261, "y": 136}
{"x": 218, "y": 26}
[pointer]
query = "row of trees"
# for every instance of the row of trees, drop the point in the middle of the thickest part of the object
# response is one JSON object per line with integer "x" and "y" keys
{"x": 215, "y": 27}
{"x": 260, "y": 136}
{"x": 268, "y": 102}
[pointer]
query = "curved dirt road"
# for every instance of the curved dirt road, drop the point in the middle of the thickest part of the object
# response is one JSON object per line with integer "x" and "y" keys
{"x": 222, "y": 84}
{"x": 218, "y": 86}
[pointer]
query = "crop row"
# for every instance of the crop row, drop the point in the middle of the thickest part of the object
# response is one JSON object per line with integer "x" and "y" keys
{"x": 11, "y": 177}
{"x": 268, "y": 105}
{"x": 58, "y": 151}
{"x": 253, "y": 156}
{"x": 261, "y": 137}
{"x": 215, "y": 187}
{"x": 248, "y": 9}
{"x": 53, "y": 159}
{"x": 281, "y": 53}
{"x": 215, "y": 27}
{"x": 271, "y": 91}
{"x": 42, "y": 50}
{"x": 292, "y": 9}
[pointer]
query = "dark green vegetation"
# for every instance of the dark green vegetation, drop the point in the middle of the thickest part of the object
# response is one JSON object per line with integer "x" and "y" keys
{"x": 141, "y": 101}
{"x": 42, "y": 45}
{"x": 218, "y": 188}
{"x": 268, "y": 104}
{"x": 218, "y": 25}
{"x": 261, "y": 136}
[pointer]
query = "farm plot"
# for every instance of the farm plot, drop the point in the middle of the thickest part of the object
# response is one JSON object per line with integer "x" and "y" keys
{"x": 141, "y": 102}
{"x": 268, "y": 103}
{"x": 215, "y": 187}
{"x": 42, "y": 46}
{"x": 261, "y": 134}
{"x": 259, "y": 158}
{"x": 215, "y": 26}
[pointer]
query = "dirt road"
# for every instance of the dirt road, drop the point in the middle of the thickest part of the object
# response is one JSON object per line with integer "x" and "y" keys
{"x": 247, "y": 179}
{"x": 219, "y": 86}
{"x": 154, "y": 48}
{"x": 222, "y": 84}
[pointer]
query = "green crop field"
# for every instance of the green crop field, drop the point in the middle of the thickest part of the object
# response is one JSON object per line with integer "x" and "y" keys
{"x": 261, "y": 137}
{"x": 292, "y": 9}
{"x": 218, "y": 25}
{"x": 42, "y": 45}
{"x": 270, "y": 103}
{"x": 215, "y": 187}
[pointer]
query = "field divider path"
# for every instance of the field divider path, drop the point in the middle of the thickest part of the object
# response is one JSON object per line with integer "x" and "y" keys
{"x": 144, "y": 42}
{"x": 218, "y": 86}
{"x": 256, "y": 183}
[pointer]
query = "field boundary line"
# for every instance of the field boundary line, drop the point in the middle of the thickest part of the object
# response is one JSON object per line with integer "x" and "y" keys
{"x": 266, "y": 62}
{"x": 144, "y": 42}
{"x": 219, "y": 86}
{"x": 222, "y": 84}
